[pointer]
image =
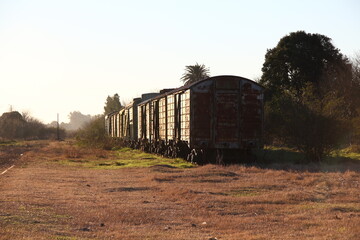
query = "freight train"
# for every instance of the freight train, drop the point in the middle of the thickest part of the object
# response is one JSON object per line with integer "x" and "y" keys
{"x": 215, "y": 120}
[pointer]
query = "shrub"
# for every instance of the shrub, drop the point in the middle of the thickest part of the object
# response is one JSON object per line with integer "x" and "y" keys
{"x": 313, "y": 125}
{"x": 93, "y": 134}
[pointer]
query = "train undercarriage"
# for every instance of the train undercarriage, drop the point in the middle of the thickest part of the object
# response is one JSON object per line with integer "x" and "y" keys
{"x": 199, "y": 156}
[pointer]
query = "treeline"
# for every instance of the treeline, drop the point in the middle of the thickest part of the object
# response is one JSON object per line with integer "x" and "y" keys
{"x": 312, "y": 96}
{"x": 14, "y": 126}
{"x": 76, "y": 121}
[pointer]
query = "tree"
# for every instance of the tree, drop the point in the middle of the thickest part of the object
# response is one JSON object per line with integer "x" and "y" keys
{"x": 309, "y": 93}
{"x": 77, "y": 120}
{"x": 12, "y": 125}
{"x": 356, "y": 79}
{"x": 34, "y": 128}
{"x": 300, "y": 58}
{"x": 112, "y": 104}
{"x": 194, "y": 73}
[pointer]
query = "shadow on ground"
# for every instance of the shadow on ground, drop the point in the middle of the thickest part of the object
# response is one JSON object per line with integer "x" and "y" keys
{"x": 283, "y": 159}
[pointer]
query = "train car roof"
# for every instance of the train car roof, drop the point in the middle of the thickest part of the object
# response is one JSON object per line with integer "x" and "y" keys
{"x": 185, "y": 87}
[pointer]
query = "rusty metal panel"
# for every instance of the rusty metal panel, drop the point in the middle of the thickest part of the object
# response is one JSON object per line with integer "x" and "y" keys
{"x": 162, "y": 118}
{"x": 201, "y": 114}
{"x": 126, "y": 124}
{"x": 155, "y": 120}
{"x": 252, "y": 115}
{"x": 227, "y": 116}
{"x": 202, "y": 118}
{"x": 112, "y": 125}
{"x": 139, "y": 121}
{"x": 185, "y": 116}
{"x": 131, "y": 121}
{"x": 153, "y": 127}
{"x": 122, "y": 123}
{"x": 148, "y": 121}
{"x": 116, "y": 124}
{"x": 227, "y": 83}
{"x": 170, "y": 117}
{"x": 142, "y": 121}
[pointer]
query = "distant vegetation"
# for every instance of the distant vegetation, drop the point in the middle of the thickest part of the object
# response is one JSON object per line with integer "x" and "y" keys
{"x": 14, "y": 126}
{"x": 77, "y": 121}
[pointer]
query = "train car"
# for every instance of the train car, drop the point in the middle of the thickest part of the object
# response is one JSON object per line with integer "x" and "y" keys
{"x": 110, "y": 124}
{"x": 123, "y": 124}
{"x": 213, "y": 120}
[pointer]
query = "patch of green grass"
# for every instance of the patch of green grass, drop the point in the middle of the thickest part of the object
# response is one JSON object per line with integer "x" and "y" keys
{"x": 125, "y": 149}
{"x": 64, "y": 238}
{"x": 58, "y": 216}
{"x": 8, "y": 143}
{"x": 15, "y": 143}
{"x": 129, "y": 158}
{"x": 272, "y": 154}
{"x": 345, "y": 153}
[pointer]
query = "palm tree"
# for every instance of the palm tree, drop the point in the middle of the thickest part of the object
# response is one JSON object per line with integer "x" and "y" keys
{"x": 194, "y": 73}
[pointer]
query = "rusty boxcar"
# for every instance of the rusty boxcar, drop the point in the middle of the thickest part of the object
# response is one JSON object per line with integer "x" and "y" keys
{"x": 212, "y": 120}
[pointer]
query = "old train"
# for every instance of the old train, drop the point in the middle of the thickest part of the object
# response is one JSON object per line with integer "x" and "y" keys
{"x": 214, "y": 120}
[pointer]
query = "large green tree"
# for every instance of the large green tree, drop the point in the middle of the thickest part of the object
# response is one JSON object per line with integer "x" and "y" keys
{"x": 309, "y": 93}
{"x": 112, "y": 104}
{"x": 194, "y": 73}
{"x": 301, "y": 58}
{"x": 356, "y": 79}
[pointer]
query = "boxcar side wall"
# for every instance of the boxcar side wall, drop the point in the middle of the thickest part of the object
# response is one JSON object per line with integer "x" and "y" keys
{"x": 252, "y": 114}
{"x": 201, "y": 112}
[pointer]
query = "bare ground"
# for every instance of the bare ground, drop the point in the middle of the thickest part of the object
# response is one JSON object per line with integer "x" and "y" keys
{"x": 43, "y": 199}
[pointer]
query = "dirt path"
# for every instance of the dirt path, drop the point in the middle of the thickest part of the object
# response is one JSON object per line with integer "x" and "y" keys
{"x": 43, "y": 199}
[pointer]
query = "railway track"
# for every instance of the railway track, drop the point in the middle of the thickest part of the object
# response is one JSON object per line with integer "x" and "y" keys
{"x": 7, "y": 170}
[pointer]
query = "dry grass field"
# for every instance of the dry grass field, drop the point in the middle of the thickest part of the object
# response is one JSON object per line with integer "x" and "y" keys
{"x": 59, "y": 191}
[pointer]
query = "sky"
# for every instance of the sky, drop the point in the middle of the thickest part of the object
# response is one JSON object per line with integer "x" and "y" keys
{"x": 60, "y": 56}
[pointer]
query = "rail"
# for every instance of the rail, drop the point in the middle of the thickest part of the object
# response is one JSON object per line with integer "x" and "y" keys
{"x": 7, "y": 170}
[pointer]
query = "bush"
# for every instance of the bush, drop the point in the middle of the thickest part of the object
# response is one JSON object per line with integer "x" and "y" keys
{"x": 313, "y": 125}
{"x": 93, "y": 134}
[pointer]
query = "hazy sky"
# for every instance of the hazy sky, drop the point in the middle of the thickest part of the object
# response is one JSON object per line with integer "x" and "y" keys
{"x": 59, "y": 56}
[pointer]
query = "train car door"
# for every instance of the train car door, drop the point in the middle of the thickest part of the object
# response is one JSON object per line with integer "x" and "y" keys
{"x": 227, "y": 113}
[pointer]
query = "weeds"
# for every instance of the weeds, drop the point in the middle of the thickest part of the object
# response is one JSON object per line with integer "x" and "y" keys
{"x": 127, "y": 158}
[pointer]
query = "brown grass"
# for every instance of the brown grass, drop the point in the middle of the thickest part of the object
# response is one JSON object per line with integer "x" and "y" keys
{"x": 42, "y": 199}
